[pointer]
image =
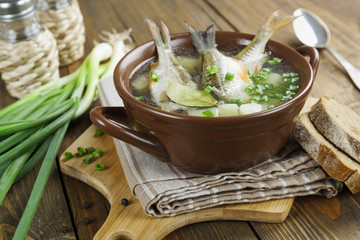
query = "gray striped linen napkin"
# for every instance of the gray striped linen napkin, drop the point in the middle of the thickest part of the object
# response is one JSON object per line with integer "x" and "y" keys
{"x": 165, "y": 190}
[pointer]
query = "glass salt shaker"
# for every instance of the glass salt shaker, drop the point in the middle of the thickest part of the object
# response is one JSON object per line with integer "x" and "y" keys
{"x": 28, "y": 52}
{"x": 18, "y": 21}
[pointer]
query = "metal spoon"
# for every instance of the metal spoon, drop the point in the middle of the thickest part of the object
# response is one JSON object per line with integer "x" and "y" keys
{"x": 312, "y": 31}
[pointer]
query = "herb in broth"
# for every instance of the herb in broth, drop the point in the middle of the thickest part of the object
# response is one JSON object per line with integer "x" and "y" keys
{"x": 276, "y": 83}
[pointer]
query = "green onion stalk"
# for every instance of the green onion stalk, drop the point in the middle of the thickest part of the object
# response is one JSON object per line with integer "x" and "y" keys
{"x": 33, "y": 127}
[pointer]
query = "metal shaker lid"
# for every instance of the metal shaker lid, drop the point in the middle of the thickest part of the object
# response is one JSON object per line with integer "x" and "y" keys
{"x": 11, "y": 10}
{"x": 45, "y": 5}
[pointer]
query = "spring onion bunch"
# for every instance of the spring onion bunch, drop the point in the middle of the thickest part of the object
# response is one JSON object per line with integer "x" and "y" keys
{"x": 35, "y": 125}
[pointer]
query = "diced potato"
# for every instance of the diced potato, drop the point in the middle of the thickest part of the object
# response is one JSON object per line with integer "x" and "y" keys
{"x": 275, "y": 79}
{"x": 142, "y": 82}
{"x": 228, "y": 110}
{"x": 250, "y": 108}
{"x": 199, "y": 112}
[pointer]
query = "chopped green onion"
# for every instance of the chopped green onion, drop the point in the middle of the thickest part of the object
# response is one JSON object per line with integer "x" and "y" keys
{"x": 293, "y": 87}
{"x": 98, "y": 132}
{"x": 97, "y": 153}
{"x": 250, "y": 88}
{"x": 229, "y": 76}
{"x": 286, "y": 75}
{"x": 237, "y": 101}
{"x": 88, "y": 159}
{"x": 208, "y": 113}
{"x": 68, "y": 155}
{"x": 141, "y": 99}
{"x": 99, "y": 167}
{"x": 213, "y": 69}
{"x": 275, "y": 61}
{"x": 81, "y": 151}
{"x": 158, "y": 107}
{"x": 208, "y": 89}
{"x": 90, "y": 149}
{"x": 153, "y": 76}
{"x": 264, "y": 98}
{"x": 290, "y": 93}
{"x": 279, "y": 96}
{"x": 286, "y": 98}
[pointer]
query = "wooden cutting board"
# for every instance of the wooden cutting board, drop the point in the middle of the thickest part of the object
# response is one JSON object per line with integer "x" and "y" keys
{"x": 130, "y": 222}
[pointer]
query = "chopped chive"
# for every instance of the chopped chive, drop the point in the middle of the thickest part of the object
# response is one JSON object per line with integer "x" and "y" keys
{"x": 88, "y": 159}
{"x": 264, "y": 98}
{"x": 98, "y": 133}
{"x": 158, "y": 107}
{"x": 275, "y": 61}
{"x": 99, "y": 167}
{"x": 237, "y": 101}
{"x": 208, "y": 89}
{"x": 229, "y": 76}
{"x": 90, "y": 149}
{"x": 97, "y": 153}
{"x": 286, "y": 75}
{"x": 81, "y": 151}
{"x": 250, "y": 88}
{"x": 290, "y": 93}
{"x": 141, "y": 99}
{"x": 68, "y": 155}
{"x": 293, "y": 87}
{"x": 286, "y": 98}
{"x": 208, "y": 113}
{"x": 213, "y": 69}
{"x": 153, "y": 76}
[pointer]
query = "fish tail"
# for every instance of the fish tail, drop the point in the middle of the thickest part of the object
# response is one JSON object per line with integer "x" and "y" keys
{"x": 157, "y": 35}
{"x": 275, "y": 23}
{"x": 272, "y": 25}
{"x": 165, "y": 35}
{"x": 203, "y": 41}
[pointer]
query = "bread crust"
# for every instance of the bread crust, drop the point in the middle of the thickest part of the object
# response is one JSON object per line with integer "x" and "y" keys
{"x": 339, "y": 124}
{"x": 330, "y": 159}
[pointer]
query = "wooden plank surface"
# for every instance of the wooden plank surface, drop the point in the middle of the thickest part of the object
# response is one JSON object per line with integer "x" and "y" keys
{"x": 60, "y": 214}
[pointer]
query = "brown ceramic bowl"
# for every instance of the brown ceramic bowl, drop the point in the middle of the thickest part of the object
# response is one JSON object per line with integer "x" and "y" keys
{"x": 203, "y": 144}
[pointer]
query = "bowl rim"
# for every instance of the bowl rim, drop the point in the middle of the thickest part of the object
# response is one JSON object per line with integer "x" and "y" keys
{"x": 199, "y": 120}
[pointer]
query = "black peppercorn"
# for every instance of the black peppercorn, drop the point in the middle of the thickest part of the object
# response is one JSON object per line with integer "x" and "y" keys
{"x": 86, "y": 220}
{"x": 85, "y": 204}
{"x": 124, "y": 202}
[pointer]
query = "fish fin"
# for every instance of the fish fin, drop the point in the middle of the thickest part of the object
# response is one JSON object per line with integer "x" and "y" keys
{"x": 275, "y": 23}
{"x": 272, "y": 25}
{"x": 203, "y": 41}
{"x": 165, "y": 34}
{"x": 244, "y": 75}
{"x": 155, "y": 32}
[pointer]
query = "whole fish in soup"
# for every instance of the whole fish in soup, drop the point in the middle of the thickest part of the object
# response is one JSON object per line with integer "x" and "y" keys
{"x": 166, "y": 69}
{"x": 226, "y": 76}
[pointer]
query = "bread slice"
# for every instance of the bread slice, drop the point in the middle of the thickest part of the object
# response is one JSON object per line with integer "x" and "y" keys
{"x": 339, "y": 124}
{"x": 335, "y": 163}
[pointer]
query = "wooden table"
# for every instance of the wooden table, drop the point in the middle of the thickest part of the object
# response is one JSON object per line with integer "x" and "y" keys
{"x": 60, "y": 214}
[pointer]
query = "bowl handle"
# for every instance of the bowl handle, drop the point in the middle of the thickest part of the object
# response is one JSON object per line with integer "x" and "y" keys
{"x": 313, "y": 54}
{"x": 115, "y": 122}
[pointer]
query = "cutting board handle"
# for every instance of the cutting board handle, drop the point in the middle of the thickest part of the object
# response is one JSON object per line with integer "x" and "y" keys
{"x": 116, "y": 122}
